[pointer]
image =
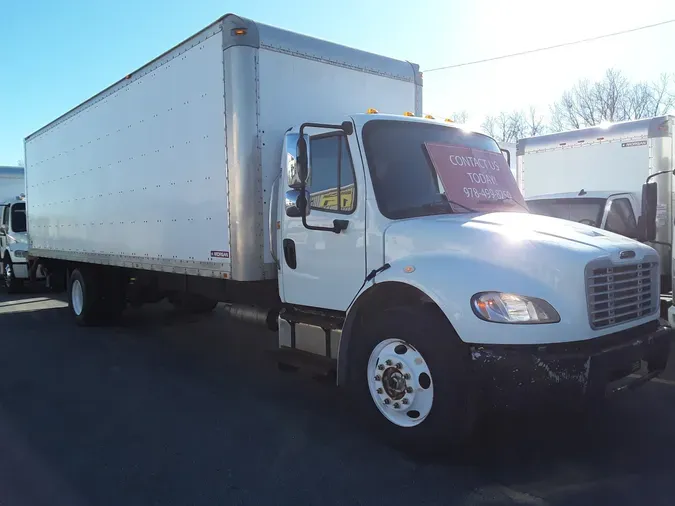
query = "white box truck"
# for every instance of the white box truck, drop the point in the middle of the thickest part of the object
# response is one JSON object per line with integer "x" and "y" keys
{"x": 13, "y": 236}
{"x": 596, "y": 176}
{"x": 240, "y": 167}
{"x": 509, "y": 149}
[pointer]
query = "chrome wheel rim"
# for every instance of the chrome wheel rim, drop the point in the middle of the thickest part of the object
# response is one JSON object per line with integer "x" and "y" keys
{"x": 77, "y": 297}
{"x": 400, "y": 384}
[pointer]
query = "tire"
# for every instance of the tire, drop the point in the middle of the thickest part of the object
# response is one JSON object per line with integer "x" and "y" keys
{"x": 437, "y": 411}
{"x": 95, "y": 297}
{"x": 12, "y": 285}
{"x": 83, "y": 298}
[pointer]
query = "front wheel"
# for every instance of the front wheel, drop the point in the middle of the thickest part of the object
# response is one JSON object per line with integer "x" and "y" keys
{"x": 12, "y": 285}
{"x": 411, "y": 374}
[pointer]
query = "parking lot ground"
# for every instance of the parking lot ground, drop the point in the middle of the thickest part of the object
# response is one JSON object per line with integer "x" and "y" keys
{"x": 176, "y": 410}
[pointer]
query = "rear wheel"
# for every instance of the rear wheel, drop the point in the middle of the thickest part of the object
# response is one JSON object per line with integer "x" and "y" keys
{"x": 12, "y": 285}
{"x": 83, "y": 298}
{"x": 95, "y": 297}
{"x": 411, "y": 374}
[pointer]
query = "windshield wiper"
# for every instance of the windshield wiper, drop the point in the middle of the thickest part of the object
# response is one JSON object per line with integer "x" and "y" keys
{"x": 442, "y": 204}
{"x": 445, "y": 201}
{"x": 503, "y": 201}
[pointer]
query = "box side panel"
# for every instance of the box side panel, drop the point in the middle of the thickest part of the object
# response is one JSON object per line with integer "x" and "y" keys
{"x": 138, "y": 178}
{"x": 613, "y": 166}
{"x": 661, "y": 159}
{"x": 294, "y": 90}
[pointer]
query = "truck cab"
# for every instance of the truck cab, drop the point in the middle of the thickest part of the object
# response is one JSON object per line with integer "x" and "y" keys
{"x": 616, "y": 212}
{"x": 14, "y": 243}
{"x": 427, "y": 260}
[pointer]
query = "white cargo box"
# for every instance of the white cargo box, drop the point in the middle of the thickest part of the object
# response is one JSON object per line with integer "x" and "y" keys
{"x": 171, "y": 168}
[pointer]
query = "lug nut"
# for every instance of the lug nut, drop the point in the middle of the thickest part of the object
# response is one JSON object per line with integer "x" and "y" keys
{"x": 381, "y": 367}
{"x": 388, "y": 362}
{"x": 396, "y": 405}
{"x": 406, "y": 376}
{"x": 378, "y": 377}
{"x": 387, "y": 401}
{"x": 399, "y": 365}
{"x": 409, "y": 390}
{"x": 379, "y": 391}
{"x": 405, "y": 401}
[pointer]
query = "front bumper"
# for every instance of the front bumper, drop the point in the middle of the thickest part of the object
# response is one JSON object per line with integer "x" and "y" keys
{"x": 572, "y": 372}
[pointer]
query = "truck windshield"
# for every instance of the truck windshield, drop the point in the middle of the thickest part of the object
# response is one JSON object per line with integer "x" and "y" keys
{"x": 421, "y": 169}
{"x": 19, "y": 217}
{"x": 587, "y": 210}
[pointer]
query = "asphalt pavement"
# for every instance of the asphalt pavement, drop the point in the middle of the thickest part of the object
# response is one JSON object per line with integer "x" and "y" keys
{"x": 174, "y": 410}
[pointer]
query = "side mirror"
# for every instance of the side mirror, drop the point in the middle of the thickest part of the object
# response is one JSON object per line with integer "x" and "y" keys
{"x": 297, "y": 156}
{"x": 3, "y": 229}
{"x": 297, "y": 203}
{"x": 507, "y": 155}
{"x": 647, "y": 221}
{"x": 303, "y": 159}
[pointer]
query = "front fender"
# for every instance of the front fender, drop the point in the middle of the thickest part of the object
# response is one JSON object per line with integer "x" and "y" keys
{"x": 451, "y": 280}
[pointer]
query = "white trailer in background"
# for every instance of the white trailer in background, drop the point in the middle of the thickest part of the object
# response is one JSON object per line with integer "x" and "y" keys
{"x": 12, "y": 182}
{"x": 239, "y": 167}
{"x": 596, "y": 176}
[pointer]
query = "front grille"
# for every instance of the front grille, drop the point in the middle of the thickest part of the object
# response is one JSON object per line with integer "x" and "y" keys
{"x": 621, "y": 293}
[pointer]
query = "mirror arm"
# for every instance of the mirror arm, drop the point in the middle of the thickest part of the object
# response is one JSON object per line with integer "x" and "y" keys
{"x": 338, "y": 225}
{"x": 659, "y": 173}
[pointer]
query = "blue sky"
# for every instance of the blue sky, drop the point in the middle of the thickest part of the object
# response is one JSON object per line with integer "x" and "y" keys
{"x": 56, "y": 54}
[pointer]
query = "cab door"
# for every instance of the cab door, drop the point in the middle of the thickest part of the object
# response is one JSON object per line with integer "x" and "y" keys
{"x": 320, "y": 268}
{"x": 4, "y": 229}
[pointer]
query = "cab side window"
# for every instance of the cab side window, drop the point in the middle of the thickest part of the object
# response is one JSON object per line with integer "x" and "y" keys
{"x": 332, "y": 183}
{"x": 621, "y": 219}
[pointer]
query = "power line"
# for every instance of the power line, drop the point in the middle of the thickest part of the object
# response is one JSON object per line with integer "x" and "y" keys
{"x": 547, "y": 48}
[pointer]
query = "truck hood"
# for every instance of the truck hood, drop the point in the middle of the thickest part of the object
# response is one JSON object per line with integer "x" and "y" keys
{"x": 451, "y": 258}
{"x": 505, "y": 237}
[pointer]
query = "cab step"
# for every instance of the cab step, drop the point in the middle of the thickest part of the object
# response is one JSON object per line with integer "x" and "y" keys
{"x": 317, "y": 366}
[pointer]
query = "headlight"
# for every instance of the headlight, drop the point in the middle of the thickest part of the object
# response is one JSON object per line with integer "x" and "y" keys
{"x": 502, "y": 307}
{"x": 19, "y": 253}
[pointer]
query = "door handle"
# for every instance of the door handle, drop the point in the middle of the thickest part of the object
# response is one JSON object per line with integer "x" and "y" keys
{"x": 289, "y": 253}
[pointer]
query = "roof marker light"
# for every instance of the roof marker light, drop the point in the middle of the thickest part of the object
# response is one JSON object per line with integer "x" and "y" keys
{"x": 408, "y": 113}
{"x": 372, "y": 111}
{"x": 429, "y": 116}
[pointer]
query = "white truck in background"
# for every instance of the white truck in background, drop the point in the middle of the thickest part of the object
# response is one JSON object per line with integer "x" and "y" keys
{"x": 597, "y": 176}
{"x": 509, "y": 149}
{"x": 395, "y": 250}
{"x": 13, "y": 236}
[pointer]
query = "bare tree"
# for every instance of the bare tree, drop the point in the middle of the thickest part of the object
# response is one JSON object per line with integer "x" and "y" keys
{"x": 534, "y": 123}
{"x": 613, "y": 98}
{"x": 505, "y": 127}
{"x": 460, "y": 117}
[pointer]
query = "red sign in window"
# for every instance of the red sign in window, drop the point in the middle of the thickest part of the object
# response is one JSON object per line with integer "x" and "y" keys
{"x": 478, "y": 179}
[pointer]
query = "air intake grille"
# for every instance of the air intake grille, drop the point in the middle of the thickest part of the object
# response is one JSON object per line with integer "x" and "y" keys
{"x": 621, "y": 293}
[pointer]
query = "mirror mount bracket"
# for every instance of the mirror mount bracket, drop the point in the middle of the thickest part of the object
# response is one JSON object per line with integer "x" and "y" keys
{"x": 338, "y": 225}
